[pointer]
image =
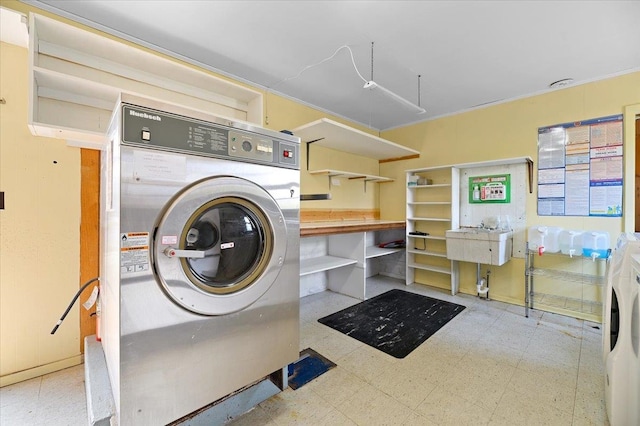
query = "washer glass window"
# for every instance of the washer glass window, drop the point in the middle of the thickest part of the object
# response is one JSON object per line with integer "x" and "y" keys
{"x": 237, "y": 244}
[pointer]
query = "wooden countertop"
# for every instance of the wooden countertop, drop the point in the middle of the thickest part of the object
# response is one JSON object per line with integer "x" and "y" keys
{"x": 308, "y": 229}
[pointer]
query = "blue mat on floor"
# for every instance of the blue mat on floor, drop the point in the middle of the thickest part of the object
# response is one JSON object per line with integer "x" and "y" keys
{"x": 309, "y": 366}
{"x": 395, "y": 322}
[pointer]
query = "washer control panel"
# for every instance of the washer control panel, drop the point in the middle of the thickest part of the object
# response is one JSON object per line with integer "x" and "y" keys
{"x": 147, "y": 127}
{"x": 246, "y": 145}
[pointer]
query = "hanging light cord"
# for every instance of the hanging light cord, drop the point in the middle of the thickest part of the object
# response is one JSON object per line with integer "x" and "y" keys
{"x": 269, "y": 88}
{"x": 367, "y": 82}
{"x": 321, "y": 62}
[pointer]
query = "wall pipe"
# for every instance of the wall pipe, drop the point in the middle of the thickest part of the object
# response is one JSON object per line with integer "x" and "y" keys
{"x": 482, "y": 285}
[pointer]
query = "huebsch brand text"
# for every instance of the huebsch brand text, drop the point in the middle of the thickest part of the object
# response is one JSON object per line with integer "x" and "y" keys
{"x": 145, "y": 115}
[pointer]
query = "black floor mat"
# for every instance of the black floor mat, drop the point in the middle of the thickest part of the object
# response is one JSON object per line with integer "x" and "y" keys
{"x": 309, "y": 366}
{"x": 395, "y": 322}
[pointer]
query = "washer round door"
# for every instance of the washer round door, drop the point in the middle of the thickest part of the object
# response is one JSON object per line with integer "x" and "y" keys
{"x": 219, "y": 245}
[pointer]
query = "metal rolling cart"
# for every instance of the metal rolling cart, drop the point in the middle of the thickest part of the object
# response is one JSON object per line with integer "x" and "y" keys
{"x": 592, "y": 278}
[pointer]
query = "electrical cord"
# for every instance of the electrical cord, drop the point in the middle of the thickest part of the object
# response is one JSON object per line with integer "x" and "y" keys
{"x": 368, "y": 84}
{"x": 277, "y": 83}
{"x": 344, "y": 46}
{"x": 85, "y": 285}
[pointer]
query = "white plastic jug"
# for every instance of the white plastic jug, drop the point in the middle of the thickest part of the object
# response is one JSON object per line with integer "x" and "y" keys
{"x": 536, "y": 237}
{"x": 552, "y": 242}
{"x": 595, "y": 244}
{"x": 544, "y": 239}
{"x": 570, "y": 242}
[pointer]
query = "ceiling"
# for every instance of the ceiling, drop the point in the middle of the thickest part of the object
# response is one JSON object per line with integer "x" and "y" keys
{"x": 468, "y": 53}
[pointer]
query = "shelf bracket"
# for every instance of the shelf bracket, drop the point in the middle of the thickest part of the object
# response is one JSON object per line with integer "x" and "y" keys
{"x": 331, "y": 176}
{"x": 309, "y": 152}
{"x": 530, "y": 169}
{"x": 364, "y": 178}
{"x": 365, "y": 183}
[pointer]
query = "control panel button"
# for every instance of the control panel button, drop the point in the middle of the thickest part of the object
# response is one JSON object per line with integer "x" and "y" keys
{"x": 146, "y": 135}
{"x": 288, "y": 154}
{"x": 246, "y": 145}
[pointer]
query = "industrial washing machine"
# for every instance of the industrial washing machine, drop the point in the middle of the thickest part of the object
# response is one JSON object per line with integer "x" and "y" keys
{"x": 199, "y": 293}
{"x": 621, "y": 333}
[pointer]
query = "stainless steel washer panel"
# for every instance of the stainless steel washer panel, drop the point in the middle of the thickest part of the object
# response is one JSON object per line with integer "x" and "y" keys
{"x": 174, "y": 361}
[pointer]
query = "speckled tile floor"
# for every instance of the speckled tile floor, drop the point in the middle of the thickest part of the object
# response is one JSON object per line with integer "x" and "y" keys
{"x": 489, "y": 366}
{"x": 57, "y": 399}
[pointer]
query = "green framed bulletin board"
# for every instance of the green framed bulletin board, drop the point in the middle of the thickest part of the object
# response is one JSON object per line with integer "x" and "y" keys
{"x": 490, "y": 189}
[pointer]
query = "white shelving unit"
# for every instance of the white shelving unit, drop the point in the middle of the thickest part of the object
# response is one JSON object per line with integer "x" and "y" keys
{"x": 358, "y": 247}
{"x": 432, "y": 209}
{"x": 76, "y": 77}
{"x": 432, "y": 268}
{"x": 417, "y": 238}
{"x": 429, "y": 219}
{"x": 345, "y": 259}
{"x": 375, "y": 251}
{"x": 324, "y": 263}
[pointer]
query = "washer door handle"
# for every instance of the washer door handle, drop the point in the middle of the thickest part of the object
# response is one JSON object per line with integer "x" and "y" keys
{"x": 171, "y": 252}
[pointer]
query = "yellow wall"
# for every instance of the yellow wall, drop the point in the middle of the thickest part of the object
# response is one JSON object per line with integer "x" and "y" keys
{"x": 286, "y": 114}
{"x": 504, "y": 131}
{"x": 39, "y": 236}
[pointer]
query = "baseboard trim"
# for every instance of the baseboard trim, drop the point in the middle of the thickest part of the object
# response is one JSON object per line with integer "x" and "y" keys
{"x": 21, "y": 376}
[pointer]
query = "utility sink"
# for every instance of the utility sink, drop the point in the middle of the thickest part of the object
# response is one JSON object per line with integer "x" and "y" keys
{"x": 479, "y": 245}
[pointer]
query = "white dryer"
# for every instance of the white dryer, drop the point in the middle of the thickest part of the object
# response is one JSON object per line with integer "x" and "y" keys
{"x": 621, "y": 333}
{"x": 200, "y": 258}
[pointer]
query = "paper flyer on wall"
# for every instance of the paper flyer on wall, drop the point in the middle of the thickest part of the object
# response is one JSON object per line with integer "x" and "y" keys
{"x": 580, "y": 168}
